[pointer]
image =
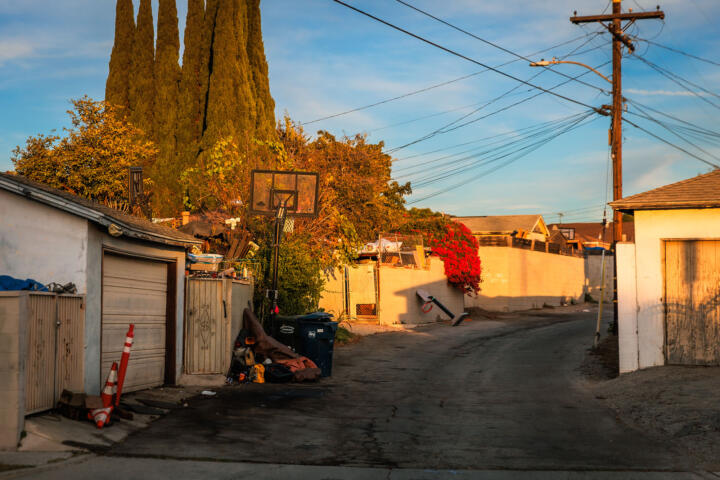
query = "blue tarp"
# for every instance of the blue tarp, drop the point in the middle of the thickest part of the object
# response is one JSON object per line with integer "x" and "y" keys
{"x": 8, "y": 283}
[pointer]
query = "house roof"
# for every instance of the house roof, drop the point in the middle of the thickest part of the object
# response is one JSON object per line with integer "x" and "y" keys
{"x": 502, "y": 224}
{"x": 130, "y": 225}
{"x": 702, "y": 191}
{"x": 589, "y": 232}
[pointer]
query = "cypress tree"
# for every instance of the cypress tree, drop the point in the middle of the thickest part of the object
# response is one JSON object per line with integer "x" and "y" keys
{"x": 167, "y": 84}
{"x": 230, "y": 107}
{"x": 118, "y": 81}
{"x": 193, "y": 84}
{"x": 265, "y": 105}
{"x": 142, "y": 91}
{"x": 246, "y": 106}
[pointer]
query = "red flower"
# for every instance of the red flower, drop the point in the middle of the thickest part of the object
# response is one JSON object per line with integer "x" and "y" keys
{"x": 458, "y": 249}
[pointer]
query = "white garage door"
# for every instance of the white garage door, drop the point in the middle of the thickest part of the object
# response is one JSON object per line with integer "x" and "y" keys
{"x": 134, "y": 291}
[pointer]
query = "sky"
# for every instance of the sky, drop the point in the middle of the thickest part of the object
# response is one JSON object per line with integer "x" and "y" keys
{"x": 325, "y": 59}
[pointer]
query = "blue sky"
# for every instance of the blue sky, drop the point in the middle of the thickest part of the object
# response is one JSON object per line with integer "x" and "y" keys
{"x": 325, "y": 59}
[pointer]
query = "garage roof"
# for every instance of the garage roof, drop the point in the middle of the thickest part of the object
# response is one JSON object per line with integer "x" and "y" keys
{"x": 130, "y": 225}
{"x": 702, "y": 191}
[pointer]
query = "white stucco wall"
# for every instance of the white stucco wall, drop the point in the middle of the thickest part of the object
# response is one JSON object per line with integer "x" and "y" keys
{"x": 41, "y": 242}
{"x": 627, "y": 307}
{"x": 651, "y": 228}
{"x": 399, "y": 304}
{"x": 518, "y": 279}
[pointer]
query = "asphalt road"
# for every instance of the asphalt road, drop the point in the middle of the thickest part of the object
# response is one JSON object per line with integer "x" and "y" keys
{"x": 492, "y": 396}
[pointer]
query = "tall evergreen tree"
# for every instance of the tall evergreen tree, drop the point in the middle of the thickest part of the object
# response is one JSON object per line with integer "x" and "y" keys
{"x": 167, "y": 84}
{"x": 142, "y": 88}
{"x": 265, "y": 105}
{"x": 118, "y": 81}
{"x": 193, "y": 84}
{"x": 230, "y": 106}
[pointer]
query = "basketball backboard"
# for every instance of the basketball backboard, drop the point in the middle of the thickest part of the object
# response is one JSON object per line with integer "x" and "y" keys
{"x": 270, "y": 189}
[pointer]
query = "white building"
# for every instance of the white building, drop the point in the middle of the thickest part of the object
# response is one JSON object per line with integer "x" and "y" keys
{"x": 669, "y": 278}
{"x": 130, "y": 271}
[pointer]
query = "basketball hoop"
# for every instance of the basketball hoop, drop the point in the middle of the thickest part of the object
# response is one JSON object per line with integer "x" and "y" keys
{"x": 284, "y": 195}
{"x": 272, "y": 189}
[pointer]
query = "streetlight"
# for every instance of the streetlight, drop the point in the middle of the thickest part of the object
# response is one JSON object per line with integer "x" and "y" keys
{"x": 555, "y": 61}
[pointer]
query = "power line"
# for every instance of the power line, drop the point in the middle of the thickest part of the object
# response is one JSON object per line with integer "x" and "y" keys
{"x": 446, "y": 128}
{"x": 437, "y": 85}
{"x": 669, "y": 129}
{"x": 494, "y": 169}
{"x": 425, "y": 117}
{"x": 670, "y": 143}
{"x": 679, "y": 81}
{"x": 500, "y": 153}
{"x": 492, "y": 44}
{"x": 672, "y": 117}
{"x": 464, "y": 57}
{"x": 711, "y": 62}
{"x": 525, "y": 133}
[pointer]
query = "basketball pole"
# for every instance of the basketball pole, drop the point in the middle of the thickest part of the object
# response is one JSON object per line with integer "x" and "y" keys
{"x": 280, "y": 216}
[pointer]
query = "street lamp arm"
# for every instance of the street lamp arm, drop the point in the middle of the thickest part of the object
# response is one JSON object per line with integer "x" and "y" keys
{"x": 545, "y": 63}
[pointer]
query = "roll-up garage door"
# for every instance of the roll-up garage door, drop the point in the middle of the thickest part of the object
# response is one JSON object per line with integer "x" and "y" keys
{"x": 134, "y": 291}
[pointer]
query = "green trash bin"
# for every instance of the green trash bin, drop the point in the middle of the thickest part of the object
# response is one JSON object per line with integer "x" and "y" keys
{"x": 315, "y": 339}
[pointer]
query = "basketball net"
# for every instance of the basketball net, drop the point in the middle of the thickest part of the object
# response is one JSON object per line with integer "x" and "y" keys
{"x": 289, "y": 225}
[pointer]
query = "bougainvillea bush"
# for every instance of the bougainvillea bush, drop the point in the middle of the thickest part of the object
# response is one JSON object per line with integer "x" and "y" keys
{"x": 458, "y": 249}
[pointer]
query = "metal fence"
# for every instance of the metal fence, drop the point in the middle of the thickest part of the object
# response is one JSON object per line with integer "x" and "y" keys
{"x": 401, "y": 249}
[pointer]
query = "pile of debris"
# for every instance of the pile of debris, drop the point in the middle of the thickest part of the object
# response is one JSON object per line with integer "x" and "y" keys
{"x": 259, "y": 358}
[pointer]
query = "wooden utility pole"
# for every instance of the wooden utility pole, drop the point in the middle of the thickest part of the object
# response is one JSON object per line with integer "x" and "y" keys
{"x": 613, "y": 23}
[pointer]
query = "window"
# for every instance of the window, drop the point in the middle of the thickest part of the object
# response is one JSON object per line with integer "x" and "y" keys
{"x": 569, "y": 233}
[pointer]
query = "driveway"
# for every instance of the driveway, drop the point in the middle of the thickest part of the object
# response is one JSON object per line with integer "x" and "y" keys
{"x": 493, "y": 396}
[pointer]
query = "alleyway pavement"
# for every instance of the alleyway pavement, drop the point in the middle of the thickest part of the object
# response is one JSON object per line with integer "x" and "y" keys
{"x": 489, "y": 399}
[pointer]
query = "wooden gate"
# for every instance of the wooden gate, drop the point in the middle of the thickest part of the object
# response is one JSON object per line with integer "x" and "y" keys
{"x": 207, "y": 326}
{"x": 692, "y": 302}
{"x": 55, "y": 348}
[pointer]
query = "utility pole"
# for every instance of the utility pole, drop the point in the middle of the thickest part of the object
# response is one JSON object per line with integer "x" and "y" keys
{"x": 613, "y": 23}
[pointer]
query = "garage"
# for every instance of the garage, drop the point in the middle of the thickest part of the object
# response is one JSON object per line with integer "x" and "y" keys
{"x": 135, "y": 290}
{"x": 692, "y": 309}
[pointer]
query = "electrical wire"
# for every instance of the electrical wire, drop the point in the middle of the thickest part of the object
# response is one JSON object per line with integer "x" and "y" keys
{"x": 525, "y": 132}
{"x": 460, "y": 55}
{"x": 511, "y": 160}
{"x": 452, "y": 127}
{"x": 679, "y": 81}
{"x": 669, "y": 129}
{"x": 690, "y": 55}
{"x": 670, "y": 143}
{"x": 492, "y": 44}
{"x": 437, "y": 85}
{"x": 471, "y": 163}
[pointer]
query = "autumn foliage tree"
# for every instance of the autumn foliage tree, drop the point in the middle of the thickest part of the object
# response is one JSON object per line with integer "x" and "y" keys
{"x": 92, "y": 160}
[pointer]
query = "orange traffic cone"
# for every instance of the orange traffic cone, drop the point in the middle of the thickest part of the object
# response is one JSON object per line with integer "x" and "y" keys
{"x": 110, "y": 386}
{"x": 101, "y": 416}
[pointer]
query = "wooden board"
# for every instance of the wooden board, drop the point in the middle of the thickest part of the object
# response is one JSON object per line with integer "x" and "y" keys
{"x": 692, "y": 302}
{"x": 134, "y": 291}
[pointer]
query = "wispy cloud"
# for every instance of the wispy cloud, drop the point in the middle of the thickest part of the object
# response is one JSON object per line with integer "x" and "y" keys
{"x": 12, "y": 49}
{"x": 668, "y": 93}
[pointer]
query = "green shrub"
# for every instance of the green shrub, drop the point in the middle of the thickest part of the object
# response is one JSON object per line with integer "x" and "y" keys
{"x": 300, "y": 280}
